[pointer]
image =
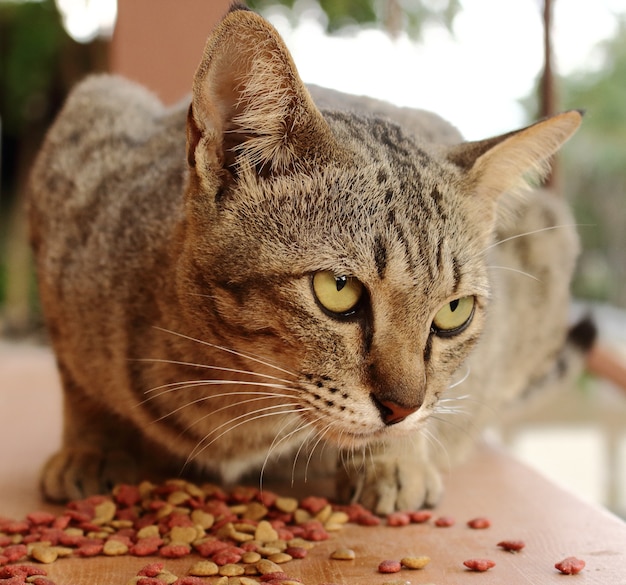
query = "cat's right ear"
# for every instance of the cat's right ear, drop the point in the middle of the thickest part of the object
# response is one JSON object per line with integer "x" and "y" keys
{"x": 249, "y": 107}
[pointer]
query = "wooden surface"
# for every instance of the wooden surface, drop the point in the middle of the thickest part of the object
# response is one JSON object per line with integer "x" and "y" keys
{"x": 520, "y": 503}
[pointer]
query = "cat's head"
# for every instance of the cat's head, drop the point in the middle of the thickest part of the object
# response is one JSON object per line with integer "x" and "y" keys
{"x": 332, "y": 245}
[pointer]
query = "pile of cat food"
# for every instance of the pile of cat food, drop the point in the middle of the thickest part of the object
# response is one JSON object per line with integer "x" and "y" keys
{"x": 241, "y": 537}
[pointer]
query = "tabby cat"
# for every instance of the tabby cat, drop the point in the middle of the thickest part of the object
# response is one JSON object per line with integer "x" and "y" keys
{"x": 273, "y": 269}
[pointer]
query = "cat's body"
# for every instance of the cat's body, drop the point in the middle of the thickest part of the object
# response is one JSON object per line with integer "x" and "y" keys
{"x": 166, "y": 277}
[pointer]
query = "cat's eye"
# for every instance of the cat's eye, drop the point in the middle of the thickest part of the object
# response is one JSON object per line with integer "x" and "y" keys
{"x": 338, "y": 294}
{"x": 454, "y": 316}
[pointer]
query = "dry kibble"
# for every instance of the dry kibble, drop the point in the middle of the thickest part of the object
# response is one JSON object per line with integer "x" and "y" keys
{"x": 287, "y": 505}
{"x": 251, "y": 557}
{"x": 186, "y": 534}
{"x": 280, "y": 558}
{"x": 389, "y": 566}
{"x": 150, "y": 531}
{"x": 204, "y": 569}
{"x": 479, "y": 523}
{"x": 44, "y": 554}
{"x": 570, "y": 566}
{"x": 415, "y": 562}
{"x": 267, "y": 566}
{"x": 231, "y": 570}
{"x": 265, "y": 532}
{"x": 479, "y": 565}
{"x": 512, "y": 545}
{"x": 444, "y": 521}
{"x": 114, "y": 548}
{"x": 104, "y": 512}
{"x": 343, "y": 554}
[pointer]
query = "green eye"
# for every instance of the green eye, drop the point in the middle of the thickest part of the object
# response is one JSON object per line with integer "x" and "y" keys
{"x": 337, "y": 294}
{"x": 454, "y": 316}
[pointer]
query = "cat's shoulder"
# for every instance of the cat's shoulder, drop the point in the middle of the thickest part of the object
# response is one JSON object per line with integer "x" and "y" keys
{"x": 421, "y": 124}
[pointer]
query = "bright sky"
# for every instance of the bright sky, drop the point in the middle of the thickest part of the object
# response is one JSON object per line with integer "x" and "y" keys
{"x": 475, "y": 79}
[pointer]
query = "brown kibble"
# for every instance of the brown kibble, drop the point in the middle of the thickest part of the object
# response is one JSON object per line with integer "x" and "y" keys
{"x": 204, "y": 569}
{"x": 184, "y": 534}
{"x": 114, "y": 548}
{"x": 280, "y": 558}
{"x": 44, "y": 554}
{"x": 267, "y": 566}
{"x": 415, "y": 562}
{"x": 389, "y": 567}
{"x": 104, "y": 512}
{"x": 251, "y": 557}
{"x": 343, "y": 554}
{"x": 231, "y": 570}
{"x": 570, "y": 566}
{"x": 202, "y": 519}
{"x": 479, "y": 565}
{"x": 287, "y": 505}
{"x": 265, "y": 532}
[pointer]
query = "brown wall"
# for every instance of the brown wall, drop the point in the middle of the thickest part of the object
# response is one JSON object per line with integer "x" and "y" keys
{"x": 159, "y": 42}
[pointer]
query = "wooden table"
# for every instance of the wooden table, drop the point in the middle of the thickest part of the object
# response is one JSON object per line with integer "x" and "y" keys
{"x": 520, "y": 504}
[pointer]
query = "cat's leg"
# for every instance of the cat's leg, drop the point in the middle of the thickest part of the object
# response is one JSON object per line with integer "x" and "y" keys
{"x": 94, "y": 455}
{"x": 395, "y": 475}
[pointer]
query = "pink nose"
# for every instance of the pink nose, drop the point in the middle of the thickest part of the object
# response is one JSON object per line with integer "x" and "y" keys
{"x": 391, "y": 412}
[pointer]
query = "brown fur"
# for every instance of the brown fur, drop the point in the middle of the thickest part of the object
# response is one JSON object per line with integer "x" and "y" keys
{"x": 175, "y": 261}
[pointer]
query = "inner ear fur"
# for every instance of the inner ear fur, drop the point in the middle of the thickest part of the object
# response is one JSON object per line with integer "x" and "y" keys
{"x": 249, "y": 105}
{"x": 498, "y": 165}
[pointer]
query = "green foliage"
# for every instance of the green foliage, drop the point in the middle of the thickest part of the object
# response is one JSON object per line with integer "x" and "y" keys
{"x": 30, "y": 42}
{"x": 393, "y": 15}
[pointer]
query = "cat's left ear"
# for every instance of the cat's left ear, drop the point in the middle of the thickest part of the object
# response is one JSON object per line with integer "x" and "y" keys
{"x": 498, "y": 165}
{"x": 249, "y": 106}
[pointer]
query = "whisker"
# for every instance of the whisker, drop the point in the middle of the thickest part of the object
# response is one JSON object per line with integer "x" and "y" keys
{"x": 459, "y": 382}
{"x": 509, "y": 268}
{"x": 244, "y": 355}
{"x": 208, "y": 367}
{"x": 321, "y": 434}
{"x": 199, "y": 448}
{"x": 259, "y": 396}
{"x": 174, "y": 387}
{"x": 537, "y": 231}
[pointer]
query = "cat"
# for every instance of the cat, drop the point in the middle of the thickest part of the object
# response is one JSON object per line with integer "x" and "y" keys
{"x": 248, "y": 275}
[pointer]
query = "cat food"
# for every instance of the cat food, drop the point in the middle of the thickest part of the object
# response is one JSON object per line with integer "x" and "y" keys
{"x": 570, "y": 566}
{"x": 512, "y": 545}
{"x": 389, "y": 566}
{"x": 24, "y": 575}
{"x": 444, "y": 521}
{"x": 415, "y": 562}
{"x": 479, "y": 565}
{"x": 479, "y": 523}
{"x": 398, "y": 519}
{"x": 343, "y": 554}
{"x": 420, "y": 516}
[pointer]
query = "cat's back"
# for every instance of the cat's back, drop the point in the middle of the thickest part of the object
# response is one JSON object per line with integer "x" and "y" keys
{"x": 113, "y": 158}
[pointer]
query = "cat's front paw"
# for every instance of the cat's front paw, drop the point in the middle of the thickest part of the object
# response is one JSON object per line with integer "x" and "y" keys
{"x": 75, "y": 473}
{"x": 389, "y": 478}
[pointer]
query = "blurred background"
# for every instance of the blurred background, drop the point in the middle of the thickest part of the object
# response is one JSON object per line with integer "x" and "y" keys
{"x": 487, "y": 66}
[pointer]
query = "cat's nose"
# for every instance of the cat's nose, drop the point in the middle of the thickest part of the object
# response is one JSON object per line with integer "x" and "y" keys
{"x": 391, "y": 412}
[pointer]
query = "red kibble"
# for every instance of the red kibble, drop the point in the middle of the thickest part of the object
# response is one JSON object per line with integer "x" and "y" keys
{"x": 90, "y": 549}
{"x": 398, "y": 519}
{"x": 420, "y": 516}
{"x": 570, "y": 566}
{"x": 389, "y": 567}
{"x": 297, "y": 552}
{"x": 512, "y": 545}
{"x": 174, "y": 551}
{"x": 210, "y": 547}
{"x": 479, "y": 565}
{"x": 41, "y": 581}
{"x": 225, "y": 557}
{"x": 15, "y": 552}
{"x": 444, "y": 521}
{"x": 17, "y": 527}
{"x": 127, "y": 495}
{"x": 316, "y": 535}
{"x": 479, "y": 523}
{"x": 20, "y": 570}
{"x": 41, "y": 518}
{"x": 151, "y": 570}
{"x": 313, "y": 504}
{"x": 146, "y": 546}
{"x": 368, "y": 519}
